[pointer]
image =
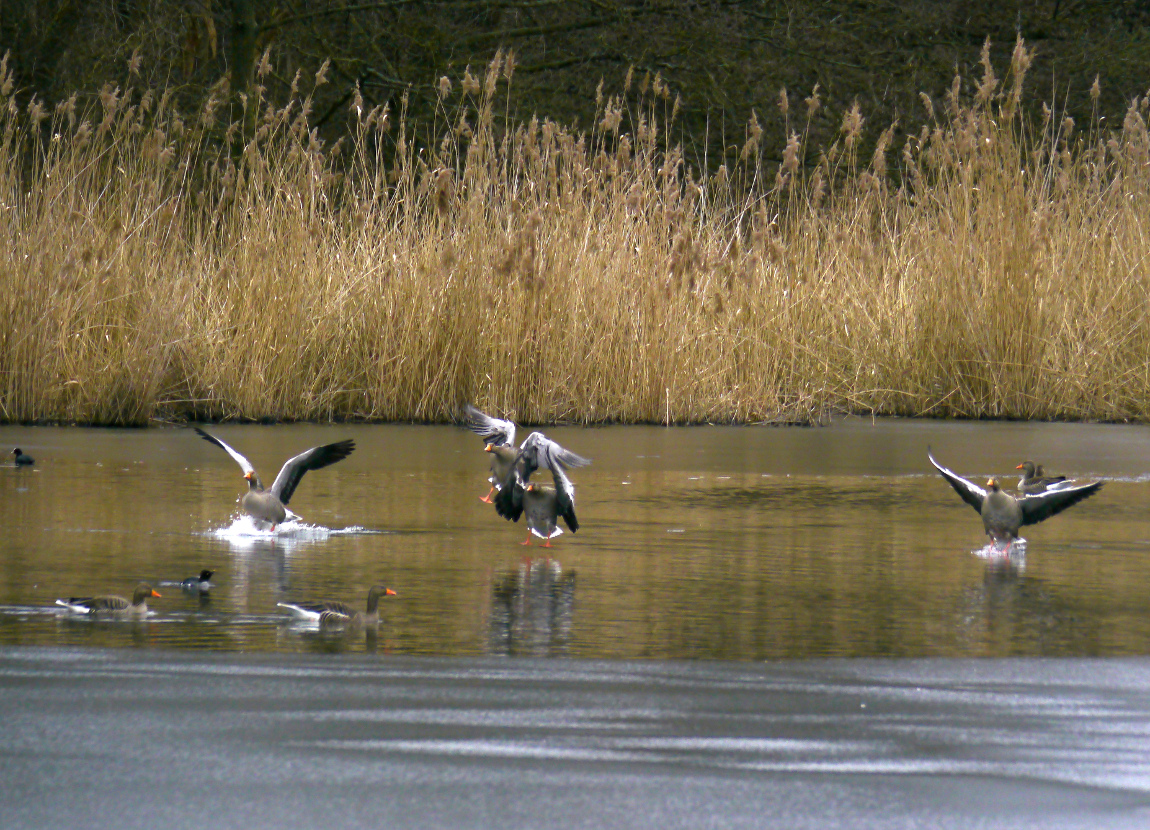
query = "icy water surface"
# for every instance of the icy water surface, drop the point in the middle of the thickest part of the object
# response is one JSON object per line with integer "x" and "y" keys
{"x": 707, "y": 542}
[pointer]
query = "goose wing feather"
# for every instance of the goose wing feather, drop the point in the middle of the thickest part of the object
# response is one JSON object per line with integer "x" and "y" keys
{"x": 970, "y": 492}
{"x": 1039, "y": 506}
{"x": 492, "y": 430}
{"x": 243, "y": 462}
{"x": 313, "y": 459}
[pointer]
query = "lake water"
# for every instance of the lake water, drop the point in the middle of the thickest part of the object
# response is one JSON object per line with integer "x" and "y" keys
{"x": 702, "y": 614}
{"x": 708, "y": 542}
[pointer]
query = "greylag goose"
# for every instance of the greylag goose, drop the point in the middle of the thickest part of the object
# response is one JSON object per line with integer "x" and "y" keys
{"x": 499, "y": 436}
{"x": 198, "y": 584}
{"x": 334, "y": 613}
{"x": 112, "y": 606}
{"x": 1003, "y": 514}
{"x": 499, "y": 440}
{"x": 542, "y": 504}
{"x": 270, "y": 505}
{"x": 537, "y": 451}
{"x": 21, "y": 459}
{"x": 1034, "y": 479}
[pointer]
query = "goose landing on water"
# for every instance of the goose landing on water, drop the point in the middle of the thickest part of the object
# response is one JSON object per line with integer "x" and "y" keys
{"x": 1003, "y": 514}
{"x": 270, "y": 505}
{"x": 112, "y": 606}
{"x": 499, "y": 436}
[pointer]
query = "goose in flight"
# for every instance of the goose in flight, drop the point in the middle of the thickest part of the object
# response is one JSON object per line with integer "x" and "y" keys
{"x": 270, "y": 505}
{"x": 1003, "y": 514}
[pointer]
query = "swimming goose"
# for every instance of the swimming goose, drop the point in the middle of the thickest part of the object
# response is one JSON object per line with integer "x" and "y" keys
{"x": 500, "y": 437}
{"x": 21, "y": 459}
{"x": 271, "y": 505}
{"x": 1003, "y": 514}
{"x": 112, "y": 606}
{"x": 334, "y": 613}
{"x": 198, "y": 584}
{"x": 1034, "y": 479}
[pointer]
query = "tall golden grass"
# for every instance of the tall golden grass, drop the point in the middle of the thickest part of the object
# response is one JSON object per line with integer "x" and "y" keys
{"x": 158, "y": 264}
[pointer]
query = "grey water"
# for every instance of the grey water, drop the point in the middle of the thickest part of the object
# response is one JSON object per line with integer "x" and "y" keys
{"x": 701, "y": 614}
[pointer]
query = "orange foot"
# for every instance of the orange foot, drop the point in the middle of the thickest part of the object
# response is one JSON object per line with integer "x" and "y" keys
{"x": 526, "y": 541}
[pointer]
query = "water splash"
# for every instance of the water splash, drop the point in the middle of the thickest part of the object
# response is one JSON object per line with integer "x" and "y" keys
{"x": 1012, "y": 554}
{"x": 245, "y": 530}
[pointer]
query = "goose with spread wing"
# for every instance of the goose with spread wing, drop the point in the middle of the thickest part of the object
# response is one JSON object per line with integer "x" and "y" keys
{"x": 1003, "y": 514}
{"x": 499, "y": 440}
{"x": 543, "y": 505}
{"x": 112, "y": 606}
{"x": 537, "y": 451}
{"x": 270, "y": 505}
{"x": 334, "y": 613}
{"x": 506, "y": 459}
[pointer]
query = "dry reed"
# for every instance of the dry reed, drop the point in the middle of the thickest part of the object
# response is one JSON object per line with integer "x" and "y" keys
{"x": 157, "y": 265}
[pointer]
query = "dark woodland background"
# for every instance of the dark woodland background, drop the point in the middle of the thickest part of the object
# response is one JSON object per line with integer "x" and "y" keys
{"x": 724, "y": 59}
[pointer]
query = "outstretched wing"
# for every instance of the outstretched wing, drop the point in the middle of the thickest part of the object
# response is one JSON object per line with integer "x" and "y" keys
{"x": 493, "y": 430}
{"x": 564, "y": 495}
{"x": 243, "y": 462}
{"x": 1039, "y": 506}
{"x": 313, "y": 459}
{"x": 540, "y": 451}
{"x": 971, "y": 493}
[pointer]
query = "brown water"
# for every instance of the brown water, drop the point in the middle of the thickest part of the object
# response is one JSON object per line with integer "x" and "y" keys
{"x": 739, "y": 543}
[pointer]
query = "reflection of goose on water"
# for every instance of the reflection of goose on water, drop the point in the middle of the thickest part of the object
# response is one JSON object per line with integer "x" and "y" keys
{"x": 270, "y": 505}
{"x": 1003, "y": 514}
{"x": 111, "y": 605}
{"x": 532, "y": 609}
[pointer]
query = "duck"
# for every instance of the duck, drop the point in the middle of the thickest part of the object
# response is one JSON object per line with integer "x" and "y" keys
{"x": 270, "y": 505}
{"x": 1034, "y": 479}
{"x": 335, "y": 613}
{"x": 1003, "y": 514}
{"x": 111, "y": 605}
{"x": 499, "y": 435}
{"x": 21, "y": 459}
{"x": 198, "y": 584}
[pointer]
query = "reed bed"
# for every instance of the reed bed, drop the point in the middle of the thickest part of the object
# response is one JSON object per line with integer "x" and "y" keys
{"x": 166, "y": 265}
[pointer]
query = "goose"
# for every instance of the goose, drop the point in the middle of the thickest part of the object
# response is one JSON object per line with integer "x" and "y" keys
{"x": 499, "y": 435}
{"x": 544, "y": 505}
{"x": 334, "y": 613}
{"x": 1003, "y": 514}
{"x": 270, "y": 505}
{"x": 198, "y": 584}
{"x": 21, "y": 459}
{"x": 111, "y": 605}
{"x": 1035, "y": 480}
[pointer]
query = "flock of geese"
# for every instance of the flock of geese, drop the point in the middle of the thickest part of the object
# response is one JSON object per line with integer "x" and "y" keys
{"x": 512, "y": 492}
{"x": 1037, "y": 497}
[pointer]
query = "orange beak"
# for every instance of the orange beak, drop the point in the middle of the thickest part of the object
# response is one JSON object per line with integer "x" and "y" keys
{"x": 248, "y": 476}
{"x": 488, "y": 448}
{"x": 990, "y": 482}
{"x": 389, "y": 593}
{"x": 156, "y": 593}
{"x": 1019, "y": 467}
